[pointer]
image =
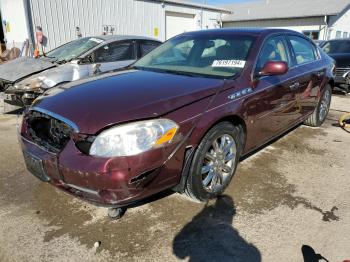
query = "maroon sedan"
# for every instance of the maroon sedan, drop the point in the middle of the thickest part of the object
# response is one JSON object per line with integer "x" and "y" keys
{"x": 180, "y": 118}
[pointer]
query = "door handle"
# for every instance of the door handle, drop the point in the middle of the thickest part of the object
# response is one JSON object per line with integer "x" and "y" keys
{"x": 294, "y": 86}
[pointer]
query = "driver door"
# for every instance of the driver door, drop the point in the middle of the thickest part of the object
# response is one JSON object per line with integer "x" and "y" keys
{"x": 275, "y": 110}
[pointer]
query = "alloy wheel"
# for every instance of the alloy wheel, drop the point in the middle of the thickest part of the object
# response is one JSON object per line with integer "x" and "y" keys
{"x": 219, "y": 163}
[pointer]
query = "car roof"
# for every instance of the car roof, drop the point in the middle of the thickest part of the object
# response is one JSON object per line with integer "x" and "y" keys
{"x": 113, "y": 38}
{"x": 248, "y": 30}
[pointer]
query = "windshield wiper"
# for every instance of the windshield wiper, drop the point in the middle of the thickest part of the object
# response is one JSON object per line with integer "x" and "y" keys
{"x": 174, "y": 72}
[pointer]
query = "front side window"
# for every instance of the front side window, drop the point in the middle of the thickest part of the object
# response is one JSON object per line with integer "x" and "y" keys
{"x": 274, "y": 49}
{"x": 114, "y": 52}
{"x": 303, "y": 50}
{"x": 210, "y": 56}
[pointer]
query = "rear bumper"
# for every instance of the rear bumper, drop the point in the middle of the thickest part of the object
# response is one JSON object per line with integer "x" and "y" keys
{"x": 108, "y": 182}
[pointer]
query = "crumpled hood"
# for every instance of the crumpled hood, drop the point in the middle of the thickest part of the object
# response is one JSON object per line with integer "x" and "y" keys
{"x": 24, "y": 66}
{"x": 341, "y": 60}
{"x": 130, "y": 95}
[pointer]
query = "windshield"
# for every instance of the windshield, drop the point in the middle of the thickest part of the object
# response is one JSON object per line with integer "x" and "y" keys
{"x": 74, "y": 49}
{"x": 336, "y": 47}
{"x": 211, "y": 56}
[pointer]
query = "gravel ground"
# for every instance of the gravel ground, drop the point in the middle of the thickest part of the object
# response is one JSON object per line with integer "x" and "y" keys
{"x": 294, "y": 192}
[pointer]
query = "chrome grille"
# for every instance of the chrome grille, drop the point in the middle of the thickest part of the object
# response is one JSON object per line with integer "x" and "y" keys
{"x": 47, "y": 132}
{"x": 339, "y": 72}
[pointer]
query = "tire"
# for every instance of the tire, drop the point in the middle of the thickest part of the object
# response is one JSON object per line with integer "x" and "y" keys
{"x": 207, "y": 178}
{"x": 318, "y": 117}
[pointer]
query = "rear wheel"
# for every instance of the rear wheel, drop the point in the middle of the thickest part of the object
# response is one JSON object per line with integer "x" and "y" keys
{"x": 214, "y": 162}
{"x": 321, "y": 111}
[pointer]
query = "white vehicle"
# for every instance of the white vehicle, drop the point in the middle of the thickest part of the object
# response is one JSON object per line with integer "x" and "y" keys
{"x": 24, "y": 79}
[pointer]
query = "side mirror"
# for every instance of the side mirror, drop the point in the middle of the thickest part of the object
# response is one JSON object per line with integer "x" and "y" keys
{"x": 272, "y": 68}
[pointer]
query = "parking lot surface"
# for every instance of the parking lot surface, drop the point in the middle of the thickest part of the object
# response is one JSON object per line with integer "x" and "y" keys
{"x": 293, "y": 192}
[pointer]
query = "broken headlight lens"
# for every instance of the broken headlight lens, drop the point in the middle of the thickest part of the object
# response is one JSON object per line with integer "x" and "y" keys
{"x": 135, "y": 138}
{"x": 35, "y": 84}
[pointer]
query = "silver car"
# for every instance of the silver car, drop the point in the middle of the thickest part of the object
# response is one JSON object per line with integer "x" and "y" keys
{"x": 25, "y": 78}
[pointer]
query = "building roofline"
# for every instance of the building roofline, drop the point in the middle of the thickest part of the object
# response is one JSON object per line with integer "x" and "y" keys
{"x": 191, "y": 4}
{"x": 259, "y": 10}
{"x": 275, "y": 18}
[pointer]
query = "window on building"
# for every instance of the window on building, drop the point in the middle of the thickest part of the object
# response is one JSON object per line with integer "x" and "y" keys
{"x": 304, "y": 51}
{"x": 312, "y": 34}
{"x": 345, "y": 35}
{"x": 115, "y": 52}
{"x": 338, "y": 34}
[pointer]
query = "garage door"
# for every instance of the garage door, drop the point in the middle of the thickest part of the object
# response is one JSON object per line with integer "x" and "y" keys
{"x": 177, "y": 23}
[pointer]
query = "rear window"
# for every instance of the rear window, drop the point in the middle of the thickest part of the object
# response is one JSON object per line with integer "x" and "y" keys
{"x": 304, "y": 51}
{"x": 147, "y": 46}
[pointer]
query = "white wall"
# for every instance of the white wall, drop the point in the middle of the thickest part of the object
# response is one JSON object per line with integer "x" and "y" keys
{"x": 340, "y": 23}
{"x": 13, "y": 12}
{"x": 134, "y": 17}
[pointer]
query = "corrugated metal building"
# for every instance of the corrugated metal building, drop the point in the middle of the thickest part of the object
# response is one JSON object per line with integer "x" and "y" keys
{"x": 160, "y": 19}
{"x": 319, "y": 19}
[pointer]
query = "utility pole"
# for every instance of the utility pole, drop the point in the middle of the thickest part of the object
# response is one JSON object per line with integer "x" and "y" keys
{"x": 205, "y": 2}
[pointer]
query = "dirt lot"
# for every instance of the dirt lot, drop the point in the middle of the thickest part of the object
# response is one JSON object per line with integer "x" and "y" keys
{"x": 292, "y": 193}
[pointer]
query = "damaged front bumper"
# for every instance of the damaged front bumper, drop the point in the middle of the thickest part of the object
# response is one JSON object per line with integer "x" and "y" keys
{"x": 20, "y": 98}
{"x": 113, "y": 182}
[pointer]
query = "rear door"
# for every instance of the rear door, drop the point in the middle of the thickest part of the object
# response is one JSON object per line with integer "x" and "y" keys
{"x": 311, "y": 71}
{"x": 275, "y": 110}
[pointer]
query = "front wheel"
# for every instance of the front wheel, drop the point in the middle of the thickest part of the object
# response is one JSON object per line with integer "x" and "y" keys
{"x": 214, "y": 162}
{"x": 318, "y": 117}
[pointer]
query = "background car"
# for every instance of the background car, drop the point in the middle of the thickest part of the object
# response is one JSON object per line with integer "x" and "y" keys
{"x": 180, "y": 118}
{"x": 339, "y": 50}
{"x": 78, "y": 59}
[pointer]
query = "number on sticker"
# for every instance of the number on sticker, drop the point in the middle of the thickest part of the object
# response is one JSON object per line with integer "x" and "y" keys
{"x": 228, "y": 63}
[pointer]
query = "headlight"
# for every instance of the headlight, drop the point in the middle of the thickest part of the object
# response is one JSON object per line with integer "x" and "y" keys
{"x": 35, "y": 84}
{"x": 135, "y": 138}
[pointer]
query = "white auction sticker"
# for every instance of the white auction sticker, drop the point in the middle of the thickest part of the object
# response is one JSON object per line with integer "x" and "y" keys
{"x": 229, "y": 63}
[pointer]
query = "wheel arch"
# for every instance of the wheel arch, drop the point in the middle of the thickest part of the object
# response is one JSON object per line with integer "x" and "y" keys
{"x": 189, "y": 152}
{"x": 236, "y": 121}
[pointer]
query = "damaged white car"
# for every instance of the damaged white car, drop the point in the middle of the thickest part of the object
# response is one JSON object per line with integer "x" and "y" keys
{"x": 25, "y": 78}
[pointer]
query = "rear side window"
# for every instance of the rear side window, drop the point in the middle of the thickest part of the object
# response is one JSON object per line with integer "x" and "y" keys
{"x": 274, "y": 49}
{"x": 147, "y": 46}
{"x": 115, "y": 52}
{"x": 303, "y": 50}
